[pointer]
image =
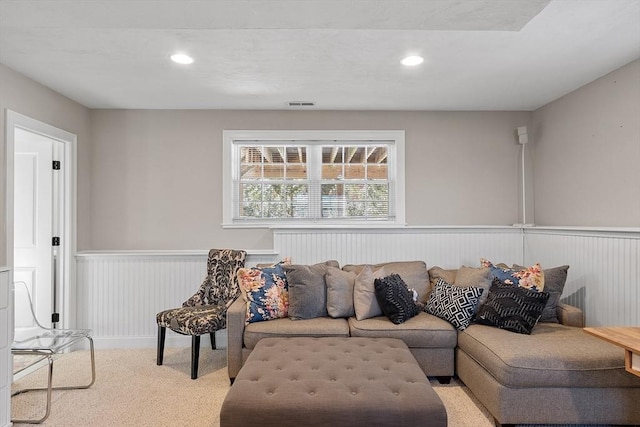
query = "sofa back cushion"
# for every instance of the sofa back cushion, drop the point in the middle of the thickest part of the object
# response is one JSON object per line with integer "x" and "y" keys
{"x": 307, "y": 290}
{"x": 340, "y": 286}
{"x": 414, "y": 274}
{"x": 435, "y": 273}
{"x": 365, "y": 303}
{"x": 478, "y": 277}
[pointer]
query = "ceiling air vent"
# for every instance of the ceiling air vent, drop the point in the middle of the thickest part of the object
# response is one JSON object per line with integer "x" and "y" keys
{"x": 301, "y": 104}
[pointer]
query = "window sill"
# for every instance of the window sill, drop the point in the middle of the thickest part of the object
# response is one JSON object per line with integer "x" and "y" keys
{"x": 314, "y": 226}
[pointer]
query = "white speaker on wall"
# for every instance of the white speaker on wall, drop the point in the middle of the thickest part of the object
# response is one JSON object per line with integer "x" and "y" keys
{"x": 523, "y": 137}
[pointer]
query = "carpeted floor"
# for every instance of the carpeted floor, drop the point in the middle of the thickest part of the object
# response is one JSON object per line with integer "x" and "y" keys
{"x": 131, "y": 390}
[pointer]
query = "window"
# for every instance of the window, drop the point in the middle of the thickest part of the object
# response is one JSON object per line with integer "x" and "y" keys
{"x": 313, "y": 177}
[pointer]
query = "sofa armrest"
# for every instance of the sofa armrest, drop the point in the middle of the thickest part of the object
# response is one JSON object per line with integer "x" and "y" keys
{"x": 570, "y": 315}
{"x": 236, "y": 315}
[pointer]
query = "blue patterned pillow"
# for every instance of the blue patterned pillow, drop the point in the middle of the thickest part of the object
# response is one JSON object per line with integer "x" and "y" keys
{"x": 455, "y": 304}
{"x": 266, "y": 292}
{"x": 525, "y": 277}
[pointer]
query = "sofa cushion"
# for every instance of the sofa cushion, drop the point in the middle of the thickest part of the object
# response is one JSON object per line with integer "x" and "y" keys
{"x": 478, "y": 277}
{"x": 340, "y": 286}
{"x": 435, "y": 273}
{"x": 512, "y": 307}
{"x": 317, "y": 327}
{"x": 414, "y": 274}
{"x": 553, "y": 355}
{"x": 395, "y": 299}
{"x": 455, "y": 304}
{"x": 421, "y": 331}
{"x": 307, "y": 290}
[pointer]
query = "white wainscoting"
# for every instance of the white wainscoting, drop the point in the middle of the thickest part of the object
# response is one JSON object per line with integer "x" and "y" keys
{"x": 119, "y": 293}
{"x": 604, "y": 270}
{"x": 448, "y": 247}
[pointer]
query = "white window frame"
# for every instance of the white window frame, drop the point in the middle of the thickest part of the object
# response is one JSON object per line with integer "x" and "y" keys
{"x": 230, "y": 164}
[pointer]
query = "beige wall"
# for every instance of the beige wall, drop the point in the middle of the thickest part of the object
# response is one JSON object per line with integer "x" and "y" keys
{"x": 23, "y": 95}
{"x": 156, "y": 176}
{"x": 587, "y": 154}
{"x": 151, "y": 179}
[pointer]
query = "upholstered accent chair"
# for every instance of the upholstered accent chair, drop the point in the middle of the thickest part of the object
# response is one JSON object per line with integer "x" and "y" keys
{"x": 206, "y": 311}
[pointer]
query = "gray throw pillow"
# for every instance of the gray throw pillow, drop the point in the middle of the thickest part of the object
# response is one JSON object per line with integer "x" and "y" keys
{"x": 365, "y": 303}
{"x": 554, "y": 281}
{"x": 340, "y": 286}
{"x": 307, "y": 290}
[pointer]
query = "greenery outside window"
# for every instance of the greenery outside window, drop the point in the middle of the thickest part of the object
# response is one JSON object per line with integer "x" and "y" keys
{"x": 313, "y": 177}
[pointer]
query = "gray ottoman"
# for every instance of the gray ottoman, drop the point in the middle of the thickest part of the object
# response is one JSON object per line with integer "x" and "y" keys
{"x": 332, "y": 382}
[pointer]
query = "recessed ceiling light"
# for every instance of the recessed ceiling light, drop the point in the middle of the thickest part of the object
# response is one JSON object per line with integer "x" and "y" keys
{"x": 411, "y": 61}
{"x": 181, "y": 58}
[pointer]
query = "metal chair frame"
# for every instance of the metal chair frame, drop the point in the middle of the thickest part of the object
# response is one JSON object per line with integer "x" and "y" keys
{"x": 47, "y": 343}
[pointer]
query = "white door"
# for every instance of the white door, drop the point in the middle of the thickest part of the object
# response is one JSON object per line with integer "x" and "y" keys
{"x": 34, "y": 205}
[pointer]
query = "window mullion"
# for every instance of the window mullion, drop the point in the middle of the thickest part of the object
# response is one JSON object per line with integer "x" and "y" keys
{"x": 235, "y": 178}
{"x": 314, "y": 161}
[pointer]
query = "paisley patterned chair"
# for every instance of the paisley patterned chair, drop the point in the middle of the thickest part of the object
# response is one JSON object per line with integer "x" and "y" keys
{"x": 205, "y": 312}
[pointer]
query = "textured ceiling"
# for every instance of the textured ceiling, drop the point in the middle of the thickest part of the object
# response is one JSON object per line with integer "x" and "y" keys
{"x": 340, "y": 54}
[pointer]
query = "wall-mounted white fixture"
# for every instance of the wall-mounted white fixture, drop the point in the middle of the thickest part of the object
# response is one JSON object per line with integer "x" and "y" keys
{"x": 181, "y": 58}
{"x": 523, "y": 137}
{"x": 411, "y": 61}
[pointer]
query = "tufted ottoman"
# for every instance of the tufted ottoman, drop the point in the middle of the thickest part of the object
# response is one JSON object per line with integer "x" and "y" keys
{"x": 331, "y": 381}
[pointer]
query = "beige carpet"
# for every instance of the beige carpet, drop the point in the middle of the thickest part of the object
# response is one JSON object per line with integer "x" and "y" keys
{"x": 131, "y": 390}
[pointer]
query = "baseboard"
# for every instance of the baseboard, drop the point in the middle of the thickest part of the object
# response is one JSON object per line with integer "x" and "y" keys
{"x": 172, "y": 340}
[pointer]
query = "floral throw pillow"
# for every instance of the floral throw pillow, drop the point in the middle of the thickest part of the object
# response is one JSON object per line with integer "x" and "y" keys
{"x": 528, "y": 277}
{"x": 266, "y": 292}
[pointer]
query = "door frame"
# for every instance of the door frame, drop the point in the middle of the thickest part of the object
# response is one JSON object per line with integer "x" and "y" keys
{"x": 13, "y": 120}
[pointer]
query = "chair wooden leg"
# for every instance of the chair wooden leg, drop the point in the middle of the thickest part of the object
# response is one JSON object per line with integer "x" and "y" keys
{"x": 195, "y": 354}
{"x": 161, "y": 334}
{"x": 213, "y": 340}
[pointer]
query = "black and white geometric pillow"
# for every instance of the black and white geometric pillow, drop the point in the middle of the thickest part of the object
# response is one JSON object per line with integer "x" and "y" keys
{"x": 512, "y": 308}
{"x": 455, "y": 304}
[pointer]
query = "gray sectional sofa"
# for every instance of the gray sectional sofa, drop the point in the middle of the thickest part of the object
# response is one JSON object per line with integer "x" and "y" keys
{"x": 556, "y": 375}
